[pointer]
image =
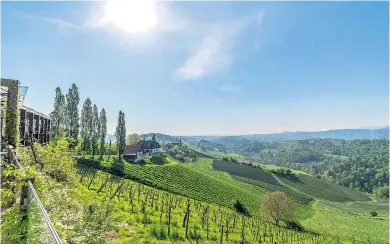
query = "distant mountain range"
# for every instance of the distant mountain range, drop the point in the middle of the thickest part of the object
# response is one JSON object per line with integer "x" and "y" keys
{"x": 346, "y": 134}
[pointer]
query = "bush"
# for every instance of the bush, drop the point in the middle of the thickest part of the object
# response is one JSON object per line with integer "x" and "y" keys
{"x": 240, "y": 208}
{"x": 159, "y": 232}
{"x": 294, "y": 225}
{"x": 373, "y": 213}
{"x": 146, "y": 219}
{"x": 175, "y": 235}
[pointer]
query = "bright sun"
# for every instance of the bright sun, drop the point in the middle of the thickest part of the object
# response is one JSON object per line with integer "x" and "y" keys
{"x": 133, "y": 16}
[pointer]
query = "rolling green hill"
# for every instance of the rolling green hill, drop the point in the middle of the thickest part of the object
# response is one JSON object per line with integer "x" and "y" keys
{"x": 323, "y": 190}
{"x": 299, "y": 186}
{"x": 185, "y": 180}
{"x": 221, "y": 183}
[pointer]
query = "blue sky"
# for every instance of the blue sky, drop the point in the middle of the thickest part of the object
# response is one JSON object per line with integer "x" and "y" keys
{"x": 187, "y": 68}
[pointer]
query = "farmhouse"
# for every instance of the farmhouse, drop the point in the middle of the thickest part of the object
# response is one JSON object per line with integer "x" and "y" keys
{"x": 143, "y": 149}
{"x": 244, "y": 162}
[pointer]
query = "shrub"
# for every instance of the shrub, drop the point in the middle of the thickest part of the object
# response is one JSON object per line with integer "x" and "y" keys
{"x": 159, "y": 232}
{"x": 294, "y": 225}
{"x": 373, "y": 213}
{"x": 175, "y": 235}
{"x": 240, "y": 208}
{"x": 146, "y": 219}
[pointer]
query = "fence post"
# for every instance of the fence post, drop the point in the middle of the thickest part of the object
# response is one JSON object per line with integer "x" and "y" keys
{"x": 24, "y": 210}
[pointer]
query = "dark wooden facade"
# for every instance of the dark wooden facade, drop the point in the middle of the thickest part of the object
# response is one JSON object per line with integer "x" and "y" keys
{"x": 34, "y": 124}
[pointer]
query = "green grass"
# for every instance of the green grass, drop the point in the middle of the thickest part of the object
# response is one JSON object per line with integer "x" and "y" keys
{"x": 296, "y": 196}
{"x": 214, "y": 154}
{"x": 322, "y": 189}
{"x": 250, "y": 172}
{"x": 335, "y": 222}
{"x": 361, "y": 208}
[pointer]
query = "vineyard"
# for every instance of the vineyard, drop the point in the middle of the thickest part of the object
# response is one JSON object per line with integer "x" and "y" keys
{"x": 168, "y": 216}
{"x": 329, "y": 191}
{"x": 162, "y": 200}
{"x": 184, "y": 180}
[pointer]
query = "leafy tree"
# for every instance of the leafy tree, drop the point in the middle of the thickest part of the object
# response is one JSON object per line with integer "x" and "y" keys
{"x": 72, "y": 112}
{"x": 133, "y": 139}
{"x": 382, "y": 192}
{"x": 153, "y": 137}
{"x": 120, "y": 134}
{"x": 86, "y": 123}
{"x": 96, "y": 127}
{"x": 58, "y": 116}
{"x": 373, "y": 213}
{"x": 103, "y": 132}
{"x": 277, "y": 206}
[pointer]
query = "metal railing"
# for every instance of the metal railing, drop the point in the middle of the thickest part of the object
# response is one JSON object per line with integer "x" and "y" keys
{"x": 41, "y": 228}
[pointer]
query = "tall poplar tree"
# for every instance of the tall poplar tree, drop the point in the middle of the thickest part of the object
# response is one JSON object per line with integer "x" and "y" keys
{"x": 86, "y": 123}
{"x": 103, "y": 132}
{"x": 59, "y": 114}
{"x": 120, "y": 134}
{"x": 72, "y": 112}
{"x": 95, "y": 129}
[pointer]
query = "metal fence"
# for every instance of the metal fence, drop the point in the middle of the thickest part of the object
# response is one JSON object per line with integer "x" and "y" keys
{"x": 40, "y": 228}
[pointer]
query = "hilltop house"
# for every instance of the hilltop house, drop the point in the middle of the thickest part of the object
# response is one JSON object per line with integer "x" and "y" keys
{"x": 143, "y": 149}
{"x": 244, "y": 162}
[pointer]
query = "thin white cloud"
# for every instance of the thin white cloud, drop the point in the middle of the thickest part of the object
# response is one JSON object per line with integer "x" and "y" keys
{"x": 64, "y": 24}
{"x": 61, "y": 23}
{"x": 230, "y": 88}
{"x": 168, "y": 19}
{"x": 214, "y": 53}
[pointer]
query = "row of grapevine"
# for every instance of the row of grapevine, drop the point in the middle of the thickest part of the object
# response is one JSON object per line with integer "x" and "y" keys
{"x": 184, "y": 218}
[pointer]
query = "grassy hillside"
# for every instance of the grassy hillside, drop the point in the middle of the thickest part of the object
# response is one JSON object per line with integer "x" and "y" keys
{"x": 184, "y": 180}
{"x": 89, "y": 205}
{"x": 223, "y": 182}
{"x": 323, "y": 190}
{"x": 250, "y": 172}
{"x": 299, "y": 186}
{"x": 336, "y": 222}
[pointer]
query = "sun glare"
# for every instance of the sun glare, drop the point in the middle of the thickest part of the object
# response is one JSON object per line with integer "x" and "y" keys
{"x": 133, "y": 16}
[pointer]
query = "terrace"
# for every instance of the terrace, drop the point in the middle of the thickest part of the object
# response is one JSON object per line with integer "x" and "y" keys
{"x": 34, "y": 126}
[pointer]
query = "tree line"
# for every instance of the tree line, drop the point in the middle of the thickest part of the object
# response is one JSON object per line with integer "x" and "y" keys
{"x": 90, "y": 129}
